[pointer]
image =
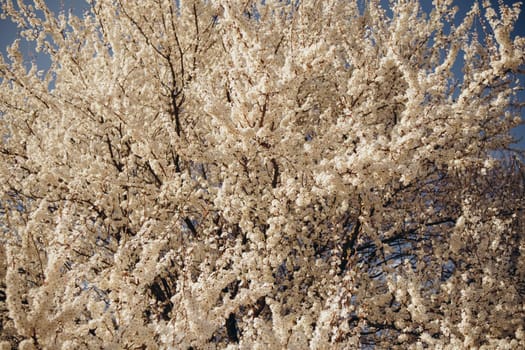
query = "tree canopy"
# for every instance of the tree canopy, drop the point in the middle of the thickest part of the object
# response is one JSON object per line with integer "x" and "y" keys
{"x": 266, "y": 175}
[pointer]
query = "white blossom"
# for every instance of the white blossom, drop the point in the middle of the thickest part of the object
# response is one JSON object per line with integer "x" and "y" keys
{"x": 266, "y": 175}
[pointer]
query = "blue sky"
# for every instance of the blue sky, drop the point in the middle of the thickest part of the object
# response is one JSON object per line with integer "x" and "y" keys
{"x": 8, "y": 32}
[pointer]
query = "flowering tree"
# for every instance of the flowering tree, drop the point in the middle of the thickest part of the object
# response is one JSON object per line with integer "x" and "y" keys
{"x": 301, "y": 174}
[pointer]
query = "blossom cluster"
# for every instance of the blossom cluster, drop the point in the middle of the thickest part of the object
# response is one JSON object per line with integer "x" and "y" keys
{"x": 266, "y": 175}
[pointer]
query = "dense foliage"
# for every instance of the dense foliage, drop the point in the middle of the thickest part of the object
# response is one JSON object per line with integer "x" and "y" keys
{"x": 266, "y": 175}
